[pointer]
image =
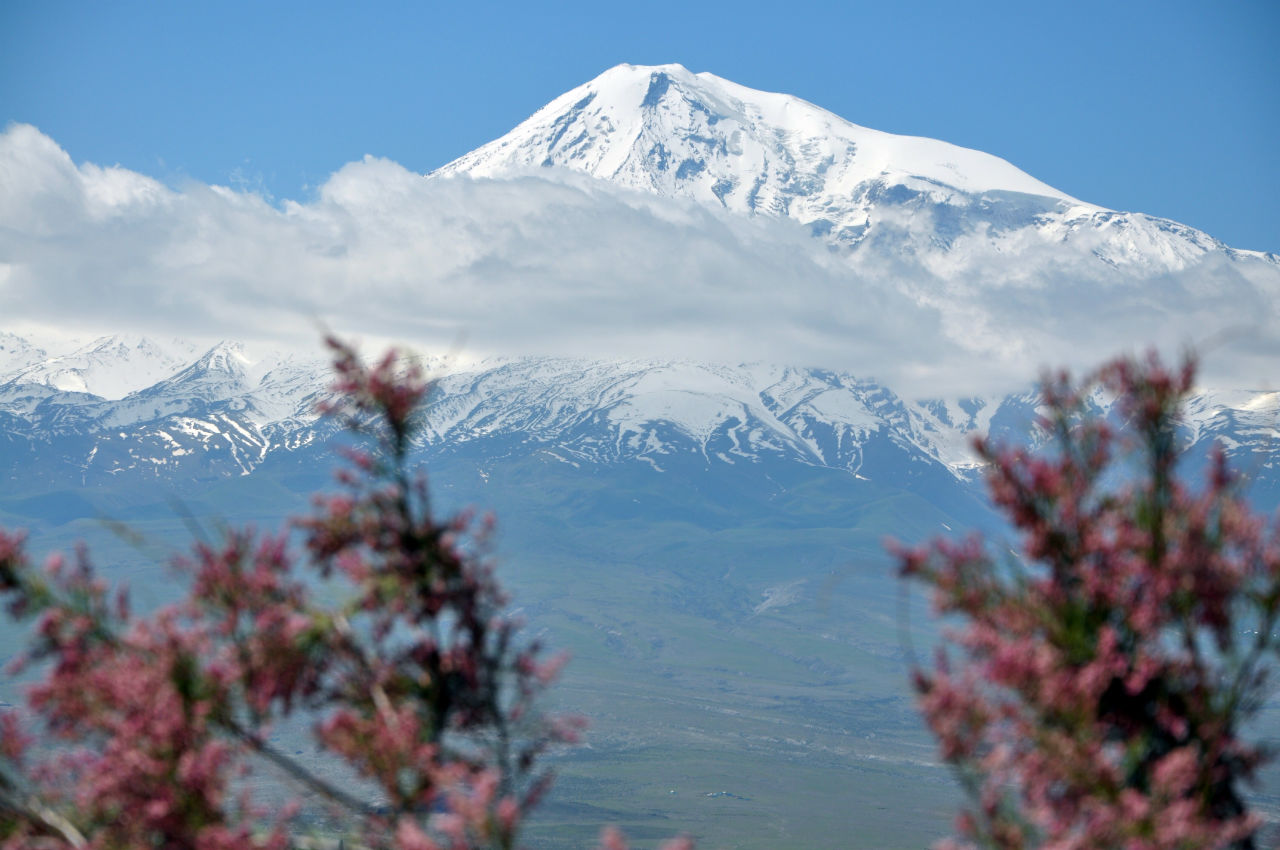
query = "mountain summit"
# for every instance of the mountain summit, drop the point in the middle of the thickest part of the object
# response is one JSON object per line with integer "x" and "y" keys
{"x": 667, "y": 130}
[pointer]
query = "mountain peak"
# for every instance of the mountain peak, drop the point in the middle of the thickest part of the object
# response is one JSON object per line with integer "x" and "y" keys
{"x": 665, "y": 129}
{"x": 17, "y": 353}
{"x": 109, "y": 366}
{"x": 227, "y": 357}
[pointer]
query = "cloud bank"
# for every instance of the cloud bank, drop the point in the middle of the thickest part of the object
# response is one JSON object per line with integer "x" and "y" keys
{"x": 562, "y": 264}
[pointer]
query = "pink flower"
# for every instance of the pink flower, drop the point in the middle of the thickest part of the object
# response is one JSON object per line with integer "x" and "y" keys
{"x": 1089, "y": 704}
{"x": 170, "y": 707}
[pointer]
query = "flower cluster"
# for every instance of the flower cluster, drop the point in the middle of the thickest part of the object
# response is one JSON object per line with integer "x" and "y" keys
{"x": 1107, "y": 669}
{"x": 418, "y": 679}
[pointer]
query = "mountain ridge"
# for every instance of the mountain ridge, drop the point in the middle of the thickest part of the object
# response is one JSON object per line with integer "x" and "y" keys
{"x": 241, "y": 413}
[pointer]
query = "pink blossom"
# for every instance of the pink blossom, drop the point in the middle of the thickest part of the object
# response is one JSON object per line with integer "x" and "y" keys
{"x": 167, "y": 709}
{"x": 1085, "y": 701}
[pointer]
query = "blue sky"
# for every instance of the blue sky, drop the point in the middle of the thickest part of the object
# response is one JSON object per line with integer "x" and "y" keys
{"x": 1169, "y": 108}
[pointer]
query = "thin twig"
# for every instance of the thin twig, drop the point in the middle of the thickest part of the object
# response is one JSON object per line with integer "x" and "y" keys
{"x": 53, "y": 822}
{"x": 295, "y": 770}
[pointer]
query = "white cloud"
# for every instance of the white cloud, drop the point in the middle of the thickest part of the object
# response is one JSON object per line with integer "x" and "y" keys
{"x": 564, "y": 264}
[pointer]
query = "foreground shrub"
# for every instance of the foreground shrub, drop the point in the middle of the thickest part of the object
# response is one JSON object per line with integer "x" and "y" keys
{"x": 1096, "y": 694}
{"x": 419, "y": 680}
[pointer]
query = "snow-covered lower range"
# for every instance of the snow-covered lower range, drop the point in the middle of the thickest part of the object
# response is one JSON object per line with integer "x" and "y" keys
{"x": 65, "y": 417}
{"x": 665, "y": 130}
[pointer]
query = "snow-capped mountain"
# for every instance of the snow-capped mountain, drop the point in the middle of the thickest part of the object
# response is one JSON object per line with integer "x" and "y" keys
{"x": 706, "y": 535}
{"x": 216, "y": 414}
{"x": 666, "y": 130}
{"x": 672, "y": 132}
{"x": 226, "y": 414}
{"x": 123, "y": 406}
{"x": 580, "y": 411}
{"x": 110, "y": 367}
{"x": 17, "y": 353}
